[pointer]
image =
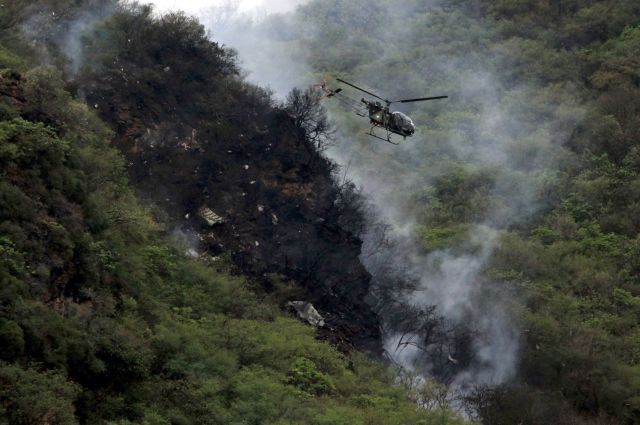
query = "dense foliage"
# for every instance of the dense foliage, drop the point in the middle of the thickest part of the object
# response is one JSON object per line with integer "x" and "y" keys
{"x": 104, "y": 320}
{"x": 539, "y": 140}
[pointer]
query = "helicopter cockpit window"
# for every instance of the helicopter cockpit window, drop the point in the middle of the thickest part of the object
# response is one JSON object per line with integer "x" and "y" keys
{"x": 402, "y": 120}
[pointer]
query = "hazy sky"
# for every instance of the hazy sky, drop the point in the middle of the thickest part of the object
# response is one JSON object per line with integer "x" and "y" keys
{"x": 193, "y": 6}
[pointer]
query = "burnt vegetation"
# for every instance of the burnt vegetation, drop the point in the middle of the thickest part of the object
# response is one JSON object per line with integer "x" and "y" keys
{"x": 197, "y": 136}
{"x": 564, "y": 200}
{"x": 157, "y": 211}
{"x": 142, "y": 131}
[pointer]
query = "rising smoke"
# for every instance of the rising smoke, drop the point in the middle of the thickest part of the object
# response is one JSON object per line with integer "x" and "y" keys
{"x": 442, "y": 315}
{"x": 265, "y": 42}
{"x": 50, "y": 29}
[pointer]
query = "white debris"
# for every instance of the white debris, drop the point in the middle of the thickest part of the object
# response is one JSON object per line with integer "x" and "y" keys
{"x": 252, "y": 182}
{"x": 306, "y": 311}
{"x": 451, "y": 359}
{"x": 209, "y": 216}
{"x": 260, "y": 208}
{"x": 246, "y": 166}
{"x": 167, "y": 68}
{"x": 257, "y": 243}
{"x": 186, "y": 216}
{"x": 274, "y": 219}
{"x": 192, "y": 253}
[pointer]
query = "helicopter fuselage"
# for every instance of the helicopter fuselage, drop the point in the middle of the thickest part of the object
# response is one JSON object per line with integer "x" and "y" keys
{"x": 394, "y": 122}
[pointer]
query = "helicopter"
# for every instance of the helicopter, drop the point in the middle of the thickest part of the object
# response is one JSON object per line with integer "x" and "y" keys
{"x": 393, "y": 122}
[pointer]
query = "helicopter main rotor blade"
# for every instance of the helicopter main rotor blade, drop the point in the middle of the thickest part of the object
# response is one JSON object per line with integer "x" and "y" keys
{"x": 420, "y": 99}
{"x": 362, "y": 90}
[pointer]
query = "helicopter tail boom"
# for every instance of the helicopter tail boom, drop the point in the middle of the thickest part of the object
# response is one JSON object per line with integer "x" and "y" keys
{"x": 362, "y": 90}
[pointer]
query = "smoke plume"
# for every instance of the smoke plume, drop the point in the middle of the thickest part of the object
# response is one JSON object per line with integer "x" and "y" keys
{"x": 444, "y": 315}
{"x": 59, "y": 29}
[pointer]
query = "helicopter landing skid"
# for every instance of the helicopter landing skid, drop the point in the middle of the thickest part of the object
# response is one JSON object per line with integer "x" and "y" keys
{"x": 388, "y": 139}
{"x": 383, "y": 139}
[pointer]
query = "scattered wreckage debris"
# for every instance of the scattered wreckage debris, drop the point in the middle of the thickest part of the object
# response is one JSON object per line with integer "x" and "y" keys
{"x": 307, "y": 312}
{"x": 210, "y": 217}
{"x": 264, "y": 202}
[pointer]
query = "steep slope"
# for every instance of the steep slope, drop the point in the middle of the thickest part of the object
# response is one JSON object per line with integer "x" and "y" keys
{"x": 104, "y": 321}
{"x": 197, "y": 138}
{"x": 522, "y": 188}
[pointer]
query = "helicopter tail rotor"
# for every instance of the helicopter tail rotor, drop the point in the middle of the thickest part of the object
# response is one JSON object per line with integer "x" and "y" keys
{"x": 327, "y": 92}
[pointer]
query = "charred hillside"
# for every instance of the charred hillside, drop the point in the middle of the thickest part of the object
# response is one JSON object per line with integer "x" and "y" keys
{"x": 104, "y": 319}
{"x": 226, "y": 163}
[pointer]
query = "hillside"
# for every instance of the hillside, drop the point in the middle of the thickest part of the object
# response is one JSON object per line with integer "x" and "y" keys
{"x": 196, "y": 137}
{"x": 112, "y": 308}
{"x": 514, "y": 207}
{"x": 158, "y": 212}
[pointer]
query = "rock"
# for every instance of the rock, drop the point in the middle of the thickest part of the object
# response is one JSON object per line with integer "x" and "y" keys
{"x": 307, "y": 312}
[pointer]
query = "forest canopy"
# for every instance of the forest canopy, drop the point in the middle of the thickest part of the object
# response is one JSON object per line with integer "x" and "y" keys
{"x": 105, "y": 317}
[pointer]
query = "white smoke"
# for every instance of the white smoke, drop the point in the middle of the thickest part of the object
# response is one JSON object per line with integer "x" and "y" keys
{"x": 196, "y": 7}
{"x": 253, "y": 28}
{"x": 520, "y": 156}
{"x": 47, "y": 28}
{"x": 452, "y": 282}
{"x": 254, "y": 34}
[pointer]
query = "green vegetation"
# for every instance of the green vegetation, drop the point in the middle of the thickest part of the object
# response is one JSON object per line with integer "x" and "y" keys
{"x": 103, "y": 320}
{"x": 540, "y": 140}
